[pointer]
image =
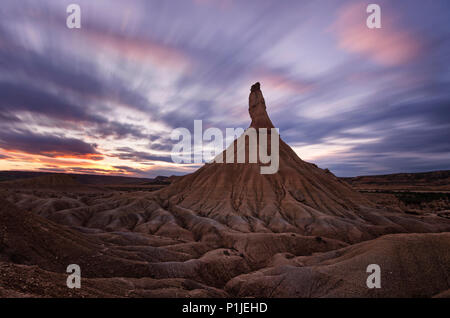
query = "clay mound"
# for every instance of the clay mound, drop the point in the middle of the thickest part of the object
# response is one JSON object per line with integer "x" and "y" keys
{"x": 140, "y": 221}
{"x": 28, "y": 239}
{"x": 412, "y": 265}
{"x": 17, "y": 281}
{"x": 242, "y": 189}
{"x": 300, "y": 197}
{"x": 166, "y": 266}
{"x": 299, "y": 190}
{"x": 46, "y": 181}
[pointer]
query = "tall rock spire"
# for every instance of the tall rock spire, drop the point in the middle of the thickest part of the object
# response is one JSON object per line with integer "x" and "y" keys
{"x": 299, "y": 198}
{"x": 257, "y": 108}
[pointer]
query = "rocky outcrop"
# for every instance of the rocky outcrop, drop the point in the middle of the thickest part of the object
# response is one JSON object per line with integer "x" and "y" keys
{"x": 299, "y": 198}
{"x": 224, "y": 230}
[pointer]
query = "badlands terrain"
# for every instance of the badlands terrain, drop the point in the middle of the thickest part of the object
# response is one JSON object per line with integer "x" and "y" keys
{"x": 226, "y": 230}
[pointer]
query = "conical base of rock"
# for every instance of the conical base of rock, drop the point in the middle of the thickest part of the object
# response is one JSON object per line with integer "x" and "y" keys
{"x": 224, "y": 231}
{"x": 299, "y": 197}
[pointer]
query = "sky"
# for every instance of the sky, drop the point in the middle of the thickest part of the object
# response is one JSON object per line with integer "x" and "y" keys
{"x": 104, "y": 98}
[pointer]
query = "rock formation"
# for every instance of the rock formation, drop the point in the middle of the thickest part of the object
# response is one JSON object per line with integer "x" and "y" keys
{"x": 257, "y": 108}
{"x": 224, "y": 230}
{"x": 299, "y": 198}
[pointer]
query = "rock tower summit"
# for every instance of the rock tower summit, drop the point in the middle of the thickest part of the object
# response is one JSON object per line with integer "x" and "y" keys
{"x": 257, "y": 108}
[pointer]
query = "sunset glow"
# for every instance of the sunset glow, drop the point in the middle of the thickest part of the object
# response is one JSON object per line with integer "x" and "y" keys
{"x": 105, "y": 98}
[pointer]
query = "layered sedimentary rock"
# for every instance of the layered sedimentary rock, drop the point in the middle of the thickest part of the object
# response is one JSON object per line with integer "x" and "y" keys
{"x": 299, "y": 198}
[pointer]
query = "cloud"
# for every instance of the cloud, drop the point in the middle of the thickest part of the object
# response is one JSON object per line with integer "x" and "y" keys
{"x": 66, "y": 88}
{"x": 140, "y": 49}
{"x": 84, "y": 170}
{"x": 120, "y": 131}
{"x": 388, "y": 46}
{"x": 164, "y": 145}
{"x": 221, "y": 4}
{"x": 126, "y": 153}
{"x": 59, "y": 110}
{"x": 17, "y": 97}
{"x": 283, "y": 83}
{"x": 48, "y": 145}
{"x": 378, "y": 139}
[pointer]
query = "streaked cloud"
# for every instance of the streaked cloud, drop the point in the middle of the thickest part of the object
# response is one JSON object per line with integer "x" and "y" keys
{"x": 389, "y": 45}
{"x": 48, "y": 145}
{"x": 354, "y": 100}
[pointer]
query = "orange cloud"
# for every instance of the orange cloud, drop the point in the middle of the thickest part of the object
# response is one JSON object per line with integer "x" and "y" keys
{"x": 89, "y": 156}
{"x": 387, "y": 46}
{"x": 53, "y": 158}
{"x": 57, "y": 154}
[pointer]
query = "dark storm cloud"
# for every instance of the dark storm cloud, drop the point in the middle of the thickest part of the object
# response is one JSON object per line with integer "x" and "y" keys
{"x": 167, "y": 146}
{"x": 62, "y": 88}
{"x": 160, "y": 143}
{"x": 59, "y": 111}
{"x": 46, "y": 145}
{"x": 18, "y": 97}
{"x": 189, "y": 111}
{"x": 119, "y": 131}
{"x": 67, "y": 112}
{"x": 70, "y": 72}
{"x": 126, "y": 153}
{"x": 55, "y": 68}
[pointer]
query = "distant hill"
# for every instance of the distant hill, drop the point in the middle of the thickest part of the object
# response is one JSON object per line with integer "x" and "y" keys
{"x": 426, "y": 181}
{"x": 52, "y": 180}
{"x": 72, "y": 179}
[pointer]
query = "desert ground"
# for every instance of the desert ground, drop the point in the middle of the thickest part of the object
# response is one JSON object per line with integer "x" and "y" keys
{"x": 226, "y": 230}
